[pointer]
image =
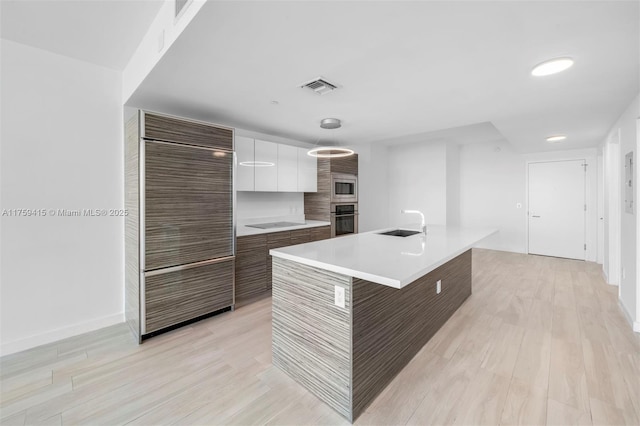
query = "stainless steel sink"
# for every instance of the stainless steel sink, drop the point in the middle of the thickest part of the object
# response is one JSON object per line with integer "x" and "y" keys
{"x": 400, "y": 233}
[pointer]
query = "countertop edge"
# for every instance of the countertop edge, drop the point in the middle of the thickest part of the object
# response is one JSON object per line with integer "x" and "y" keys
{"x": 258, "y": 231}
{"x": 389, "y": 282}
{"x": 338, "y": 269}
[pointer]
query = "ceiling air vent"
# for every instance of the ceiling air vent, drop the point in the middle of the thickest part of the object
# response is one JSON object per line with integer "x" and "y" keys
{"x": 320, "y": 86}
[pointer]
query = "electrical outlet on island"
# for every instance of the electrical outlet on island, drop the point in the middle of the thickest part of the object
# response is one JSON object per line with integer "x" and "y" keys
{"x": 339, "y": 296}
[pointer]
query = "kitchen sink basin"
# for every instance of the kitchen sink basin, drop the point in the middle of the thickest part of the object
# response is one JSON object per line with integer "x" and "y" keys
{"x": 400, "y": 233}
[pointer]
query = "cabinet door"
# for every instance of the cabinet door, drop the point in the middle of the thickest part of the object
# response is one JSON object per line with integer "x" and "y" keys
{"x": 181, "y": 295}
{"x": 245, "y": 168}
{"x": 287, "y": 168}
{"x": 348, "y": 165}
{"x": 320, "y": 233}
{"x": 307, "y": 172}
{"x": 251, "y": 267}
{"x": 275, "y": 240}
{"x": 266, "y": 174}
{"x": 174, "y": 129}
{"x": 188, "y": 204}
{"x": 300, "y": 236}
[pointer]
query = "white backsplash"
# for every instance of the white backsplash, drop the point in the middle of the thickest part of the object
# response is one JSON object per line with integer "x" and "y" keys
{"x": 258, "y": 207}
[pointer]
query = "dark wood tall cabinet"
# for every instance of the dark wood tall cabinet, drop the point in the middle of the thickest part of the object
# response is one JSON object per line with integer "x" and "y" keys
{"x": 179, "y": 244}
{"x": 317, "y": 205}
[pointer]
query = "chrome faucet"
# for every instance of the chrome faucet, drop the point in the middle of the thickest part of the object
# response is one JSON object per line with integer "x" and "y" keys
{"x": 423, "y": 225}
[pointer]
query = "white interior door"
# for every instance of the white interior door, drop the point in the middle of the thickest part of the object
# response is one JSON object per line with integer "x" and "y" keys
{"x": 557, "y": 209}
{"x": 600, "y": 198}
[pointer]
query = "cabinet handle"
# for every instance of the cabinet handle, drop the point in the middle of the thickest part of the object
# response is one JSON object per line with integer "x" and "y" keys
{"x": 187, "y": 266}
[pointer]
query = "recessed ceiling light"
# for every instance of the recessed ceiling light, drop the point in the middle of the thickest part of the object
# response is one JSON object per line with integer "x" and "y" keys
{"x": 551, "y": 66}
{"x": 556, "y": 138}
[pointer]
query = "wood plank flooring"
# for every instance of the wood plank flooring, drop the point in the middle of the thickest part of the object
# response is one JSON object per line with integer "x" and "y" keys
{"x": 540, "y": 341}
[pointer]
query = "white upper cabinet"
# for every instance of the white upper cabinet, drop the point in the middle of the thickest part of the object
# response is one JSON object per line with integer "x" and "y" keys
{"x": 270, "y": 167}
{"x": 287, "y": 168}
{"x": 245, "y": 170}
{"x": 307, "y": 171}
{"x": 265, "y": 170}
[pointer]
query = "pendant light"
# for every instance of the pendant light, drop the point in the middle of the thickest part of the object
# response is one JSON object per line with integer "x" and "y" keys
{"x": 330, "y": 149}
{"x": 330, "y": 152}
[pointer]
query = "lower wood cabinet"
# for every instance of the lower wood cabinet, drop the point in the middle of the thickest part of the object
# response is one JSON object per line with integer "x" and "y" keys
{"x": 320, "y": 233}
{"x": 275, "y": 240}
{"x": 251, "y": 266}
{"x": 300, "y": 236}
{"x": 185, "y": 294}
{"x": 253, "y": 262}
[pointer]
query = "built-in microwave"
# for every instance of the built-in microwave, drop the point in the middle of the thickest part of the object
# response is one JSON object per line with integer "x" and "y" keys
{"x": 344, "y": 188}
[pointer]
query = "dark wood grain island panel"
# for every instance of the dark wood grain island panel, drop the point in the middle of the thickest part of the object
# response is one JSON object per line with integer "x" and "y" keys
{"x": 312, "y": 336}
{"x": 391, "y": 325}
{"x": 377, "y": 333}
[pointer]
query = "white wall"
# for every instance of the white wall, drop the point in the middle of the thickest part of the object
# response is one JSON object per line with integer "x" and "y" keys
{"x": 493, "y": 181}
{"x": 611, "y": 193}
{"x": 373, "y": 191}
{"x": 162, "y": 33}
{"x": 625, "y": 129}
{"x": 61, "y": 149}
{"x": 417, "y": 176}
{"x": 636, "y": 323}
{"x": 453, "y": 184}
{"x": 263, "y": 205}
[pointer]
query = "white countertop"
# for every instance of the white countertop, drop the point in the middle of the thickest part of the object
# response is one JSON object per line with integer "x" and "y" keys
{"x": 243, "y": 230}
{"x": 391, "y": 261}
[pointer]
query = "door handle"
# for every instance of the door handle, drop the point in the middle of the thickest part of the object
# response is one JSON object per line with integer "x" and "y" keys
{"x": 535, "y": 216}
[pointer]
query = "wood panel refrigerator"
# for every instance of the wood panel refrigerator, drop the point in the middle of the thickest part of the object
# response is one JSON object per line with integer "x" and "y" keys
{"x": 179, "y": 231}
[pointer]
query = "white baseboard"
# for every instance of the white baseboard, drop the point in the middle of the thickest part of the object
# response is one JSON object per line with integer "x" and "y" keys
{"x": 627, "y": 315}
{"x": 59, "y": 334}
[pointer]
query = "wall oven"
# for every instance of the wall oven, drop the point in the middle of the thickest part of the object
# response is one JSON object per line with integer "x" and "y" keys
{"x": 344, "y": 219}
{"x": 344, "y": 188}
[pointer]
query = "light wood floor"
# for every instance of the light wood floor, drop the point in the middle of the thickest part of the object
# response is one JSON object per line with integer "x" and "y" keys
{"x": 541, "y": 340}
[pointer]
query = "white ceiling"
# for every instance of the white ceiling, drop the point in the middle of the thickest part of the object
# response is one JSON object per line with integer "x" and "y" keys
{"x": 405, "y": 68}
{"x": 463, "y": 135}
{"x": 103, "y": 32}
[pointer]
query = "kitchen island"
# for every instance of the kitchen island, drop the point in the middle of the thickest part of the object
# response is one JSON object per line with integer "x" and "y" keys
{"x": 349, "y": 313}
